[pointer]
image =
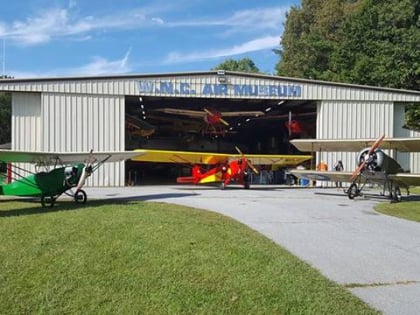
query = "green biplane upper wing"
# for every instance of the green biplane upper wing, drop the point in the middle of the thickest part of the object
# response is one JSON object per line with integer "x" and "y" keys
{"x": 50, "y": 158}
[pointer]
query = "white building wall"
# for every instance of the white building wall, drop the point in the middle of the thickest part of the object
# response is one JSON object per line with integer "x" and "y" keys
{"x": 79, "y": 123}
{"x": 352, "y": 120}
{"x": 415, "y": 157}
{"x": 26, "y": 127}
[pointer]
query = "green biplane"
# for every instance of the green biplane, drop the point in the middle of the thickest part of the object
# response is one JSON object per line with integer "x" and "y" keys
{"x": 62, "y": 173}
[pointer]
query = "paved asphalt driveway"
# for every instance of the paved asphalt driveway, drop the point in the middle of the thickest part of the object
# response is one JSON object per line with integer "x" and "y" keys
{"x": 376, "y": 256}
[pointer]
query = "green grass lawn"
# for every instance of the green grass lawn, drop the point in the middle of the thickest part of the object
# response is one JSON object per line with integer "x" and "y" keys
{"x": 409, "y": 210}
{"x": 151, "y": 258}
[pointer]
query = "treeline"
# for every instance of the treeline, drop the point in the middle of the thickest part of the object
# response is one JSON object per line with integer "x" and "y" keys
{"x": 369, "y": 42}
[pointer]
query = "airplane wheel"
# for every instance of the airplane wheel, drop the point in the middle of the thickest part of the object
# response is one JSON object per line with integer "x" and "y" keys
{"x": 80, "y": 196}
{"x": 397, "y": 194}
{"x": 222, "y": 185}
{"x": 47, "y": 201}
{"x": 246, "y": 185}
{"x": 352, "y": 191}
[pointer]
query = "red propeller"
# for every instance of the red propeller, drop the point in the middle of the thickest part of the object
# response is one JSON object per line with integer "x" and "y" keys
{"x": 214, "y": 117}
{"x": 253, "y": 168}
{"x": 371, "y": 151}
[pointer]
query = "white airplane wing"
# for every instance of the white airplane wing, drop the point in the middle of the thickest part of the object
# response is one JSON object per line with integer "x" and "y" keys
{"x": 49, "y": 158}
{"x": 332, "y": 176}
{"x": 406, "y": 179}
{"x": 355, "y": 145}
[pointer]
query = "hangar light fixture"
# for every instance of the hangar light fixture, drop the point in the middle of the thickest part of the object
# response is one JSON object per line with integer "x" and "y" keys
{"x": 221, "y": 76}
{"x": 268, "y": 109}
{"x": 140, "y": 99}
{"x": 248, "y": 119}
{"x": 281, "y": 102}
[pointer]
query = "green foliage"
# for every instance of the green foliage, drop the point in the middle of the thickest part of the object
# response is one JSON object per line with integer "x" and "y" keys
{"x": 412, "y": 117}
{"x": 241, "y": 65}
{"x": 148, "y": 258}
{"x": 5, "y": 117}
{"x": 371, "y": 42}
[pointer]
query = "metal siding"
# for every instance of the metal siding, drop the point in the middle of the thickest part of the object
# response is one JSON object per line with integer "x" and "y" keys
{"x": 79, "y": 123}
{"x": 351, "y": 120}
{"x": 314, "y": 90}
{"x": 26, "y": 113}
{"x": 415, "y": 157}
{"x": 26, "y": 126}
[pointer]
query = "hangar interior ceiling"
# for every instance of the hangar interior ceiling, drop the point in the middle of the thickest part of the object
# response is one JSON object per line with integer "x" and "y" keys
{"x": 165, "y": 123}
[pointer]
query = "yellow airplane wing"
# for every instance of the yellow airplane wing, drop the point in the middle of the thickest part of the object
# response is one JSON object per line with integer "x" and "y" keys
{"x": 276, "y": 159}
{"x": 164, "y": 156}
{"x": 185, "y": 157}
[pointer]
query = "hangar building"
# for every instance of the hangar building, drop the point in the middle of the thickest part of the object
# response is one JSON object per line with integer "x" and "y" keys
{"x": 82, "y": 113}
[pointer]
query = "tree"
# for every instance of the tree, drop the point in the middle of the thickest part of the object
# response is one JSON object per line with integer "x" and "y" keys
{"x": 5, "y": 117}
{"x": 310, "y": 37}
{"x": 372, "y": 42}
{"x": 241, "y": 65}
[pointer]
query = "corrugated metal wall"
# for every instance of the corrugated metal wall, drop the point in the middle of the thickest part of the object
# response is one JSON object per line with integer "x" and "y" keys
{"x": 310, "y": 90}
{"x": 26, "y": 121}
{"x": 26, "y": 126}
{"x": 352, "y": 120}
{"x": 79, "y": 123}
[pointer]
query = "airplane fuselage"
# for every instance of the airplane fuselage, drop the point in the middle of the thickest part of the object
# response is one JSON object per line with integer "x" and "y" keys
{"x": 51, "y": 183}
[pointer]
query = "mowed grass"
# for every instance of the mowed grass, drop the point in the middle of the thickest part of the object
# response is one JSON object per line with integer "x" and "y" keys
{"x": 151, "y": 258}
{"x": 409, "y": 210}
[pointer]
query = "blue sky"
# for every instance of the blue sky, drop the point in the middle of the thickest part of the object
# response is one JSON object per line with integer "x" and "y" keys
{"x": 44, "y": 38}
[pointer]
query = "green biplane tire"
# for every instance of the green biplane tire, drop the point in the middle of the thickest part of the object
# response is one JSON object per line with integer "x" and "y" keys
{"x": 80, "y": 196}
{"x": 47, "y": 201}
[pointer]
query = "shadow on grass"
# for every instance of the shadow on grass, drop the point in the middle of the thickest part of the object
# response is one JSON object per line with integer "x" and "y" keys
{"x": 33, "y": 205}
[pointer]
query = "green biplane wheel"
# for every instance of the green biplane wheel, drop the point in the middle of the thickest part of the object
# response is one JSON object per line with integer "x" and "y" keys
{"x": 47, "y": 201}
{"x": 80, "y": 196}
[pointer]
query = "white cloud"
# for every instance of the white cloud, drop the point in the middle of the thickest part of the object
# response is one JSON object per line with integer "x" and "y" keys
{"x": 243, "y": 20}
{"x": 266, "y": 42}
{"x": 62, "y": 22}
{"x": 98, "y": 66}
{"x": 57, "y": 23}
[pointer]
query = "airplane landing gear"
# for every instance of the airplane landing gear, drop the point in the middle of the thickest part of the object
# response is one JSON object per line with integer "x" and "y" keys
{"x": 353, "y": 191}
{"x": 47, "y": 201}
{"x": 396, "y": 196}
{"x": 80, "y": 196}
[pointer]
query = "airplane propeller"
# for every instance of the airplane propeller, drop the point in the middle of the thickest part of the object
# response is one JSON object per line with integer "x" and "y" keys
{"x": 214, "y": 117}
{"x": 252, "y": 167}
{"x": 371, "y": 151}
{"x": 87, "y": 171}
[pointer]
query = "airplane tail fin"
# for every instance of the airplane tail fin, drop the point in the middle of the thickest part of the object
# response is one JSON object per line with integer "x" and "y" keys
{"x": 194, "y": 178}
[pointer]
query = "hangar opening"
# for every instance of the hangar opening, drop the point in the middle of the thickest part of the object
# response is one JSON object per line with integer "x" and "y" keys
{"x": 211, "y": 125}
